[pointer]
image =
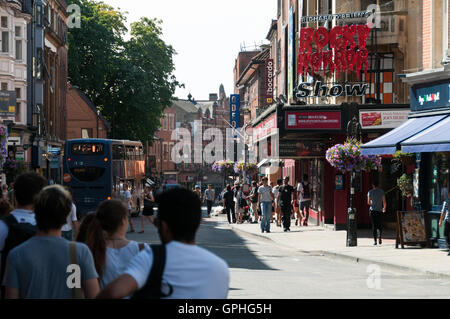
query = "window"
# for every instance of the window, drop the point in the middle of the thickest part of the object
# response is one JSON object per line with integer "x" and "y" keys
{"x": 164, "y": 123}
{"x": 438, "y": 179}
{"x": 385, "y": 5}
{"x": 18, "y": 93}
{"x": 39, "y": 66}
{"x": 86, "y": 133}
{"x": 4, "y": 22}
{"x": 18, "y": 32}
{"x": 166, "y": 151}
{"x": 18, "y": 115}
{"x": 39, "y": 16}
{"x": 5, "y": 41}
{"x": 19, "y": 55}
{"x": 4, "y": 86}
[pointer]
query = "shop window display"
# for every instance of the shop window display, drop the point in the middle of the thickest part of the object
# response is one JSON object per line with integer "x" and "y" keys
{"x": 439, "y": 178}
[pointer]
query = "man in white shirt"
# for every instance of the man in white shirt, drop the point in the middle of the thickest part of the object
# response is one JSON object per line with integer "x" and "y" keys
{"x": 26, "y": 187}
{"x": 190, "y": 272}
{"x": 70, "y": 228}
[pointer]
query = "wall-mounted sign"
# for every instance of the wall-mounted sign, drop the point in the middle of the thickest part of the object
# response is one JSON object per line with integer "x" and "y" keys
{"x": 313, "y": 120}
{"x": 269, "y": 81}
{"x": 296, "y": 148}
{"x": 330, "y": 17}
{"x": 319, "y": 90}
{"x": 235, "y": 110}
{"x": 345, "y": 54}
{"x": 379, "y": 119}
{"x": 430, "y": 96}
{"x": 7, "y": 103}
{"x": 265, "y": 128}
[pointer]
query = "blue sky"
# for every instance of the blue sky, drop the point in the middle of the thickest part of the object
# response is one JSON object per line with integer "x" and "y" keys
{"x": 207, "y": 35}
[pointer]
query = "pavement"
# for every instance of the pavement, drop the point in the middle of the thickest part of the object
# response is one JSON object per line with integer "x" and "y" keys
{"x": 317, "y": 240}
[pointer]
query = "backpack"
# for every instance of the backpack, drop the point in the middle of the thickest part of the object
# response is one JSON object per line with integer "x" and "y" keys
{"x": 17, "y": 234}
{"x": 306, "y": 193}
{"x": 152, "y": 288}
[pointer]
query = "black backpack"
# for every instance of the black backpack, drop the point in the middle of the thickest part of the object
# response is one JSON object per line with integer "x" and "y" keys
{"x": 18, "y": 233}
{"x": 152, "y": 288}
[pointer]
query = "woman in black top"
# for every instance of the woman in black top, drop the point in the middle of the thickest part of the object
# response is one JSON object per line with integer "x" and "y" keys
{"x": 149, "y": 201}
{"x": 228, "y": 204}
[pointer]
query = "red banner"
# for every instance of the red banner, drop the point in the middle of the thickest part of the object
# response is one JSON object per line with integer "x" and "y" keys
{"x": 313, "y": 120}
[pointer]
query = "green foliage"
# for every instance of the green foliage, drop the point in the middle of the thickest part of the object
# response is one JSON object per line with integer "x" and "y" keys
{"x": 130, "y": 81}
{"x": 405, "y": 183}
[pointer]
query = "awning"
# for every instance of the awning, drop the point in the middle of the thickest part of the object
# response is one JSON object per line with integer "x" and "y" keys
{"x": 434, "y": 139}
{"x": 388, "y": 143}
{"x": 264, "y": 161}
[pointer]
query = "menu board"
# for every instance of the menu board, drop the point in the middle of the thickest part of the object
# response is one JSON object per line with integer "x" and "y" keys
{"x": 411, "y": 228}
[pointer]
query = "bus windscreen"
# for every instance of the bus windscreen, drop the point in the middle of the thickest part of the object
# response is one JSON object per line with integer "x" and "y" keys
{"x": 88, "y": 149}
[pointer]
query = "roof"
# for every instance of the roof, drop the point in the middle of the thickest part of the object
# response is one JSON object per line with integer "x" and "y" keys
{"x": 91, "y": 105}
{"x": 273, "y": 28}
{"x": 257, "y": 60}
{"x": 185, "y": 105}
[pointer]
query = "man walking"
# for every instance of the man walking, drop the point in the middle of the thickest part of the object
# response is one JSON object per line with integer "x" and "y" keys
{"x": 285, "y": 200}
{"x": 304, "y": 195}
{"x": 376, "y": 199}
{"x": 209, "y": 198}
{"x": 228, "y": 204}
{"x": 254, "y": 201}
{"x": 265, "y": 200}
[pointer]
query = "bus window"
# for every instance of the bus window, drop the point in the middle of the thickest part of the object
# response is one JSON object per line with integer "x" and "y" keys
{"x": 118, "y": 153}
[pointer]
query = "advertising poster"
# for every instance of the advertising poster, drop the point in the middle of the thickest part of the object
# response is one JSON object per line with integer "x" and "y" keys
{"x": 374, "y": 119}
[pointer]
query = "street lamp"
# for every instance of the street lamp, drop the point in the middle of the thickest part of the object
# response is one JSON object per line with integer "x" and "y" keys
{"x": 353, "y": 131}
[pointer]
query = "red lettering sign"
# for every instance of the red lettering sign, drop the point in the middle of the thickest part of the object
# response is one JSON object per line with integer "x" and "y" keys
{"x": 345, "y": 53}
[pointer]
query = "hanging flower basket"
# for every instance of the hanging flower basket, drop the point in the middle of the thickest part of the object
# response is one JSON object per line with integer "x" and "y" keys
{"x": 405, "y": 183}
{"x": 250, "y": 168}
{"x": 222, "y": 166}
{"x": 3, "y": 144}
{"x": 347, "y": 157}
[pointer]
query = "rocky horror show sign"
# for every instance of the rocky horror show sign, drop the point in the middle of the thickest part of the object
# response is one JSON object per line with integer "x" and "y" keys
{"x": 346, "y": 51}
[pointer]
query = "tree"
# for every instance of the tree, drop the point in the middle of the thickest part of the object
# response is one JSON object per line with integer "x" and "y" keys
{"x": 131, "y": 82}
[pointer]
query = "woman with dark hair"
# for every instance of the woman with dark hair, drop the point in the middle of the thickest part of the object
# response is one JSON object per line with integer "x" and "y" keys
{"x": 104, "y": 233}
{"x": 149, "y": 202}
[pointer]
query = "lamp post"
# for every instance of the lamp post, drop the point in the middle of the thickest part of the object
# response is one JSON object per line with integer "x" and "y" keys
{"x": 353, "y": 131}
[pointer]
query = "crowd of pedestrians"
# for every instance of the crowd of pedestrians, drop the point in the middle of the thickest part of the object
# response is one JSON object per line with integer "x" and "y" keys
{"x": 40, "y": 260}
{"x": 268, "y": 204}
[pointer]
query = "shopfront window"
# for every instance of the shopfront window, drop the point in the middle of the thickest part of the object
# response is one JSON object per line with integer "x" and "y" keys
{"x": 439, "y": 176}
{"x": 316, "y": 172}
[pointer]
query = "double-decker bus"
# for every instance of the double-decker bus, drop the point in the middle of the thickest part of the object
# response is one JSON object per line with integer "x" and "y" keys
{"x": 97, "y": 169}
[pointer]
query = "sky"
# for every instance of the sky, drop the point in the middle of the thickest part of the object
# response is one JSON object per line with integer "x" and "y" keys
{"x": 207, "y": 35}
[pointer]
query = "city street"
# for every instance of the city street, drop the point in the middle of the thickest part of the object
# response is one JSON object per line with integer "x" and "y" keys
{"x": 261, "y": 269}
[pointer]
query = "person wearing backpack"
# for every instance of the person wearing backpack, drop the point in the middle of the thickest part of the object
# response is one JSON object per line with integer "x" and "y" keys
{"x": 48, "y": 266}
{"x": 20, "y": 224}
{"x": 304, "y": 192}
{"x": 104, "y": 232}
{"x": 177, "y": 269}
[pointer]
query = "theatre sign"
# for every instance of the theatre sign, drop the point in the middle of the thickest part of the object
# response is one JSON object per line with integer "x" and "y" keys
{"x": 346, "y": 52}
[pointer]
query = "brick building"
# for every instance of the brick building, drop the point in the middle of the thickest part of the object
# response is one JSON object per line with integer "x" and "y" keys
{"x": 83, "y": 119}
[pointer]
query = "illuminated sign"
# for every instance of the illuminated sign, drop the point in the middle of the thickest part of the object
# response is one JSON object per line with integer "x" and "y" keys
{"x": 235, "y": 110}
{"x": 269, "y": 81}
{"x": 346, "y": 49}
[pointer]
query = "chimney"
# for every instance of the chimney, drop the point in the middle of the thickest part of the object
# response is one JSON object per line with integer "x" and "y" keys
{"x": 213, "y": 97}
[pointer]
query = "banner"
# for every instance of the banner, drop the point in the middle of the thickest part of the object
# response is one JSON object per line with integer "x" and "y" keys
{"x": 313, "y": 120}
{"x": 374, "y": 119}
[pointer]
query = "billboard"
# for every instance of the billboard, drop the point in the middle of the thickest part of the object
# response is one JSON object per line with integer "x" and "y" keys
{"x": 313, "y": 120}
{"x": 7, "y": 103}
{"x": 380, "y": 119}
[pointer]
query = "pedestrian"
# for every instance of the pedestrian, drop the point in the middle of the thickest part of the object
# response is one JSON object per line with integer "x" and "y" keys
{"x": 445, "y": 215}
{"x": 149, "y": 203}
{"x": 105, "y": 235}
{"x": 304, "y": 194}
{"x": 298, "y": 214}
{"x": 239, "y": 203}
{"x": 254, "y": 201}
{"x": 265, "y": 200}
{"x": 20, "y": 224}
{"x": 229, "y": 205}
{"x": 5, "y": 207}
{"x": 127, "y": 200}
{"x": 5, "y": 191}
{"x": 209, "y": 198}
{"x": 198, "y": 191}
{"x": 376, "y": 199}
{"x": 285, "y": 200}
{"x": 187, "y": 271}
{"x": 70, "y": 228}
{"x": 277, "y": 208}
{"x": 40, "y": 268}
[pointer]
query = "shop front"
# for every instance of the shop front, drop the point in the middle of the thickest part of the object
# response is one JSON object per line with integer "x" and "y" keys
{"x": 426, "y": 138}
